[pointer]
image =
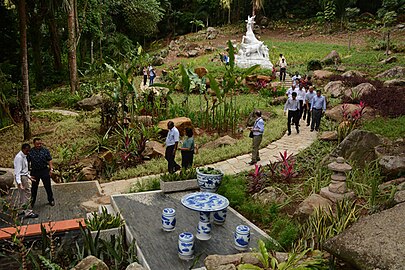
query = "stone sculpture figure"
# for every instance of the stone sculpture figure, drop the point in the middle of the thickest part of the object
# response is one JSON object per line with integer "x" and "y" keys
{"x": 252, "y": 51}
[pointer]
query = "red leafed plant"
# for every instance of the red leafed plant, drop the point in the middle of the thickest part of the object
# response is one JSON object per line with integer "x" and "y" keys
{"x": 257, "y": 180}
{"x": 350, "y": 120}
{"x": 287, "y": 166}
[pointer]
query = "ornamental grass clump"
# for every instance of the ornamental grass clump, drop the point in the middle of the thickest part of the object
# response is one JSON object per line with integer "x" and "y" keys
{"x": 104, "y": 221}
{"x": 185, "y": 174}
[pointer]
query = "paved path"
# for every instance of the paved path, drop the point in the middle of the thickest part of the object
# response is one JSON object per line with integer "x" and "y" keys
{"x": 62, "y": 112}
{"x": 293, "y": 144}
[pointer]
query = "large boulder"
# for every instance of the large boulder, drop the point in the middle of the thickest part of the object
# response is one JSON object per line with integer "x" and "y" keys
{"x": 374, "y": 242}
{"x": 212, "y": 33}
{"x": 322, "y": 74}
{"x": 395, "y": 72}
{"x": 181, "y": 123}
{"x": 90, "y": 262}
{"x": 146, "y": 120}
{"x": 353, "y": 73}
{"x": 392, "y": 158}
{"x": 358, "y": 146}
{"x": 310, "y": 204}
{"x": 135, "y": 266}
{"x": 90, "y": 103}
{"x": 336, "y": 113}
{"x": 328, "y": 136}
{"x": 89, "y": 173}
{"x": 332, "y": 58}
{"x": 270, "y": 195}
{"x": 223, "y": 141}
{"x": 335, "y": 88}
{"x": 278, "y": 100}
{"x": 154, "y": 149}
{"x": 158, "y": 61}
{"x": 395, "y": 82}
{"x": 6, "y": 180}
{"x": 361, "y": 89}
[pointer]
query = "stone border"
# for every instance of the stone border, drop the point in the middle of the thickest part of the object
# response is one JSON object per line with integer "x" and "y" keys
{"x": 182, "y": 185}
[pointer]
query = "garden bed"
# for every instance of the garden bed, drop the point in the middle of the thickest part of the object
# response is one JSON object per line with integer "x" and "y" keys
{"x": 181, "y": 185}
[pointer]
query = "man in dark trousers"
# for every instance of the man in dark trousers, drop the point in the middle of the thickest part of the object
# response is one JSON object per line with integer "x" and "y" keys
{"x": 293, "y": 107}
{"x": 318, "y": 107}
{"x": 41, "y": 169}
{"x": 172, "y": 142}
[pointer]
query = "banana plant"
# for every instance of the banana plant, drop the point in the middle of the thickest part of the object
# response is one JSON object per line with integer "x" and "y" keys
{"x": 127, "y": 87}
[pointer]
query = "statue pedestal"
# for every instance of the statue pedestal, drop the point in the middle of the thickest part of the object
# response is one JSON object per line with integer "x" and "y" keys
{"x": 246, "y": 62}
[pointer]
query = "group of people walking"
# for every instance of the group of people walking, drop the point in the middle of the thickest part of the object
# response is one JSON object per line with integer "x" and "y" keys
{"x": 304, "y": 103}
{"x": 30, "y": 166}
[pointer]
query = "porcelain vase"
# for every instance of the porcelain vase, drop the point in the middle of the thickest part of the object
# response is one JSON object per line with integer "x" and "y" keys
{"x": 168, "y": 219}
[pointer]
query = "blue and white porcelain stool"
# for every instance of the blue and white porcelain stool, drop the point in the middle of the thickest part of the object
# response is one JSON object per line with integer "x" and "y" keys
{"x": 220, "y": 216}
{"x": 186, "y": 246}
{"x": 168, "y": 219}
{"x": 204, "y": 226}
{"x": 242, "y": 237}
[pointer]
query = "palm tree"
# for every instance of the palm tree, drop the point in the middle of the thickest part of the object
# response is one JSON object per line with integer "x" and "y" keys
{"x": 257, "y": 4}
{"x": 226, "y": 4}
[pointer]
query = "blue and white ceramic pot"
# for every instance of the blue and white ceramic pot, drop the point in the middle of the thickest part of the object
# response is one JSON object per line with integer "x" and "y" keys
{"x": 168, "y": 219}
{"x": 242, "y": 237}
{"x": 220, "y": 216}
{"x": 186, "y": 246}
{"x": 209, "y": 182}
{"x": 204, "y": 227}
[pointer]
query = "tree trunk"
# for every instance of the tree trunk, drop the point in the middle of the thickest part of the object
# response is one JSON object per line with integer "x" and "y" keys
{"x": 387, "y": 51}
{"x": 24, "y": 69}
{"x": 91, "y": 51}
{"x": 55, "y": 44}
{"x": 74, "y": 83}
{"x": 229, "y": 15}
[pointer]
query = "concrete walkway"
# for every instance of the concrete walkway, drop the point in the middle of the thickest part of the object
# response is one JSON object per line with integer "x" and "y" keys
{"x": 293, "y": 144}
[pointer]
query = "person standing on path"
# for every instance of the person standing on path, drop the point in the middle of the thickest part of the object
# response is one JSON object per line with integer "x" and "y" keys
{"x": 318, "y": 108}
{"x": 172, "y": 141}
{"x": 301, "y": 98}
{"x": 257, "y": 130}
{"x": 152, "y": 75}
{"x": 23, "y": 180}
{"x": 145, "y": 75}
{"x": 283, "y": 68}
{"x": 41, "y": 169}
{"x": 293, "y": 107}
{"x": 187, "y": 150}
{"x": 308, "y": 99}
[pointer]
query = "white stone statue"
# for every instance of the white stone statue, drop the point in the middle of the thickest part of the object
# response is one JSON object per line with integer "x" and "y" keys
{"x": 252, "y": 51}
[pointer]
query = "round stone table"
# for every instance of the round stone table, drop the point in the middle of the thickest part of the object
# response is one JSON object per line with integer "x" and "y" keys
{"x": 205, "y": 203}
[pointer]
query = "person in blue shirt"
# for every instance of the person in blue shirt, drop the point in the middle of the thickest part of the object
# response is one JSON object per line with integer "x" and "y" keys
{"x": 318, "y": 107}
{"x": 257, "y": 131}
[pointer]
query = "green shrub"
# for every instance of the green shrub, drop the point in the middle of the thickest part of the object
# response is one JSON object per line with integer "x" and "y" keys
{"x": 285, "y": 232}
{"x": 314, "y": 65}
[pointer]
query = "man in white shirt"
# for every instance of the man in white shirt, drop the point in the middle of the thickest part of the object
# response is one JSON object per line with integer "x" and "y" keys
{"x": 295, "y": 77}
{"x": 293, "y": 107}
{"x": 283, "y": 68}
{"x": 308, "y": 99}
{"x": 290, "y": 91}
{"x": 23, "y": 180}
{"x": 172, "y": 141}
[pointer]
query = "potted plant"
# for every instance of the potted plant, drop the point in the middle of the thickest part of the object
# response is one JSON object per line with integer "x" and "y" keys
{"x": 185, "y": 180}
{"x": 209, "y": 179}
{"x": 104, "y": 223}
